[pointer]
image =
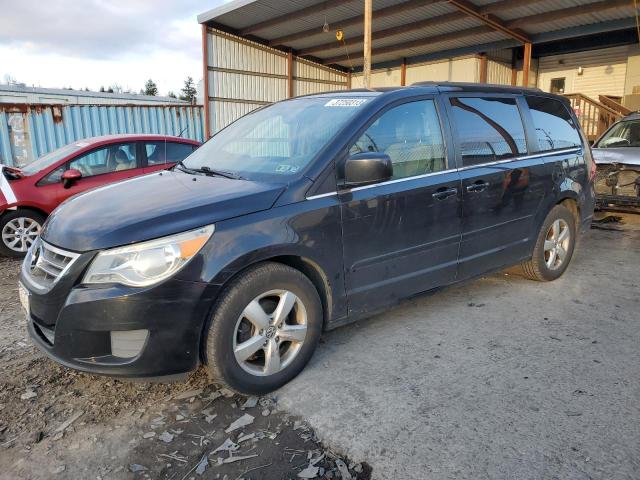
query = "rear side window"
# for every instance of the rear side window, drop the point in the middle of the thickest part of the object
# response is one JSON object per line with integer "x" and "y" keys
{"x": 156, "y": 154}
{"x": 555, "y": 128}
{"x": 489, "y": 129}
{"x": 178, "y": 151}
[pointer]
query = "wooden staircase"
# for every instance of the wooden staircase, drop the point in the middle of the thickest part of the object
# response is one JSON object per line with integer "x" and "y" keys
{"x": 595, "y": 116}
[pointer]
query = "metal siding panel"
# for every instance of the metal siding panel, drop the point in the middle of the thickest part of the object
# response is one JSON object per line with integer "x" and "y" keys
{"x": 33, "y": 131}
{"x": 604, "y": 71}
{"x": 6, "y": 155}
{"x": 498, "y": 73}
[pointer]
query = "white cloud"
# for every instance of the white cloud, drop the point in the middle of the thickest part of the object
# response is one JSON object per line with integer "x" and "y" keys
{"x": 59, "y": 43}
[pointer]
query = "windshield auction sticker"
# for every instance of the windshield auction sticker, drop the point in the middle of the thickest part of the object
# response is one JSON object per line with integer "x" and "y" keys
{"x": 345, "y": 102}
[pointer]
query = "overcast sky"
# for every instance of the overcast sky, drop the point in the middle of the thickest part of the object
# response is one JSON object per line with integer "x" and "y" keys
{"x": 89, "y": 43}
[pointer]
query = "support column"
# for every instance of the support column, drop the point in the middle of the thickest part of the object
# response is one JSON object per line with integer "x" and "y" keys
{"x": 366, "y": 71}
{"x": 483, "y": 67}
{"x": 514, "y": 66}
{"x": 205, "y": 82}
{"x": 290, "y": 74}
{"x": 526, "y": 64}
{"x": 403, "y": 72}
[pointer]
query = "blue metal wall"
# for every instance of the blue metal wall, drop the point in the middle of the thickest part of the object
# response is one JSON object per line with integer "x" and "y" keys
{"x": 30, "y": 131}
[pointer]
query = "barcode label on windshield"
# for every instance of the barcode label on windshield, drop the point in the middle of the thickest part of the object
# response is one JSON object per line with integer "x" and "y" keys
{"x": 345, "y": 102}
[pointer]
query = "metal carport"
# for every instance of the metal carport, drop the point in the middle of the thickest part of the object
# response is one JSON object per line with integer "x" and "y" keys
{"x": 260, "y": 51}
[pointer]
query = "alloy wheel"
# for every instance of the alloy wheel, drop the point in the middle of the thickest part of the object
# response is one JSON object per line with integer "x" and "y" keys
{"x": 270, "y": 332}
{"x": 20, "y": 233}
{"x": 556, "y": 244}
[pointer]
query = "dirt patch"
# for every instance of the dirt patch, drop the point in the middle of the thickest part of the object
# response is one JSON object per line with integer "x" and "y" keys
{"x": 59, "y": 423}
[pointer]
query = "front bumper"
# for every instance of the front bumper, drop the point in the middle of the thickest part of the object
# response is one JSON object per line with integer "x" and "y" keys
{"x": 172, "y": 313}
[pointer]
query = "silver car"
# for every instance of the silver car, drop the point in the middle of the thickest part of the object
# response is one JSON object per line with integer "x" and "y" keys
{"x": 617, "y": 156}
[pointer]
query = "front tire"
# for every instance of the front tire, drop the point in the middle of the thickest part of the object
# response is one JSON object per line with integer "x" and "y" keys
{"x": 554, "y": 246}
{"x": 18, "y": 230}
{"x": 264, "y": 329}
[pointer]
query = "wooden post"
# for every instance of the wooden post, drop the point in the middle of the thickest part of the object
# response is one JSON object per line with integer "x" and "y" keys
{"x": 290, "y": 74}
{"x": 526, "y": 64}
{"x": 205, "y": 82}
{"x": 366, "y": 70}
{"x": 403, "y": 72}
{"x": 483, "y": 67}
{"x": 514, "y": 66}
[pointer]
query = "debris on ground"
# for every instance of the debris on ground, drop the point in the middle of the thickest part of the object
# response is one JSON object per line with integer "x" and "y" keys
{"x": 608, "y": 222}
{"x": 242, "y": 422}
{"x": 69, "y": 422}
{"x": 251, "y": 402}
{"x": 28, "y": 394}
{"x": 227, "y": 446}
{"x": 202, "y": 465}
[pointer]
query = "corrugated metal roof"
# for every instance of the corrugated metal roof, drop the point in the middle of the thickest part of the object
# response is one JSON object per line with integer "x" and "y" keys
{"x": 238, "y": 15}
{"x": 23, "y": 89}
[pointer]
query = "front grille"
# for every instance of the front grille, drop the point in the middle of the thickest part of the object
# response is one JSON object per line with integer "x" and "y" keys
{"x": 45, "y": 264}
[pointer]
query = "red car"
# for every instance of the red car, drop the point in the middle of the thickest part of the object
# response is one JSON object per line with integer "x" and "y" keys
{"x": 29, "y": 194}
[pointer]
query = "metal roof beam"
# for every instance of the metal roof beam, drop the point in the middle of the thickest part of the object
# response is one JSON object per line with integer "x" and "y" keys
{"x": 439, "y": 20}
{"x": 389, "y": 32}
{"x": 288, "y": 17}
{"x": 571, "y": 12}
{"x": 356, "y": 20}
{"x": 413, "y": 44}
{"x": 491, "y": 20}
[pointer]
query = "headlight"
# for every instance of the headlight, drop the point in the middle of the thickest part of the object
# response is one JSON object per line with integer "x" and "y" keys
{"x": 146, "y": 263}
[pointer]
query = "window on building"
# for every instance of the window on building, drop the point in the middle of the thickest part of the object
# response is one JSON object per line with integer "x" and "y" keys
{"x": 410, "y": 134}
{"x": 557, "y": 85}
{"x": 555, "y": 127}
{"x": 489, "y": 129}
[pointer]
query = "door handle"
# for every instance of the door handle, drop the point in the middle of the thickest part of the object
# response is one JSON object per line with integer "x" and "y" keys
{"x": 444, "y": 192}
{"x": 478, "y": 186}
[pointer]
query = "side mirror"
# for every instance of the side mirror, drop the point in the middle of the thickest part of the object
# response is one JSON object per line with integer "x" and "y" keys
{"x": 70, "y": 177}
{"x": 366, "y": 168}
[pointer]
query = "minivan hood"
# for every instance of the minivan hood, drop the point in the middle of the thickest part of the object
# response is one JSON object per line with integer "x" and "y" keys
{"x": 152, "y": 206}
{"x": 626, "y": 155}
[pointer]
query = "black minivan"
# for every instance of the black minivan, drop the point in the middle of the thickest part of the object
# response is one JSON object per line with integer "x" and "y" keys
{"x": 302, "y": 216}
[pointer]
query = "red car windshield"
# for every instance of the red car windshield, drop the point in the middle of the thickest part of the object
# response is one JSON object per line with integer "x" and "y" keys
{"x": 51, "y": 158}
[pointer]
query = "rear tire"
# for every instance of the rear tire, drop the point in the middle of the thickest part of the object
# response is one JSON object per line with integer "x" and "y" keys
{"x": 264, "y": 329}
{"x": 18, "y": 230}
{"x": 554, "y": 246}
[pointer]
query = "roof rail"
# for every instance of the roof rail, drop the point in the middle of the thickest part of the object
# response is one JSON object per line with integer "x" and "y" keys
{"x": 474, "y": 86}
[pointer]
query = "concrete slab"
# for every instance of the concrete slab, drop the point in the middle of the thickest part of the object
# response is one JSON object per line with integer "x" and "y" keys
{"x": 500, "y": 378}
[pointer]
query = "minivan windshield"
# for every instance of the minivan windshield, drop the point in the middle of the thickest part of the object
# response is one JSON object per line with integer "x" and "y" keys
{"x": 277, "y": 141}
{"x": 50, "y": 158}
{"x": 622, "y": 134}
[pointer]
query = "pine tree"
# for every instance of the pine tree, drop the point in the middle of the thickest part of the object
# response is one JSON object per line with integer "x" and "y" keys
{"x": 150, "y": 88}
{"x": 189, "y": 91}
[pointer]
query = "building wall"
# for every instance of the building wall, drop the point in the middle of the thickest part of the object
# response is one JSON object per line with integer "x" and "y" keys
{"x": 29, "y": 131}
{"x": 604, "y": 71}
{"x": 460, "y": 69}
{"x": 245, "y": 75}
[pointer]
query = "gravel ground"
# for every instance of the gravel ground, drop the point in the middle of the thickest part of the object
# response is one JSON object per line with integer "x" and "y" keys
{"x": 59, "y": 423}
{"x": 501, "y": 378}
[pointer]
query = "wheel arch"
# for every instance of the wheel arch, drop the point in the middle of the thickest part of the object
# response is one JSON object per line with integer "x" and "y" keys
{"x": 305, "y": 265}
